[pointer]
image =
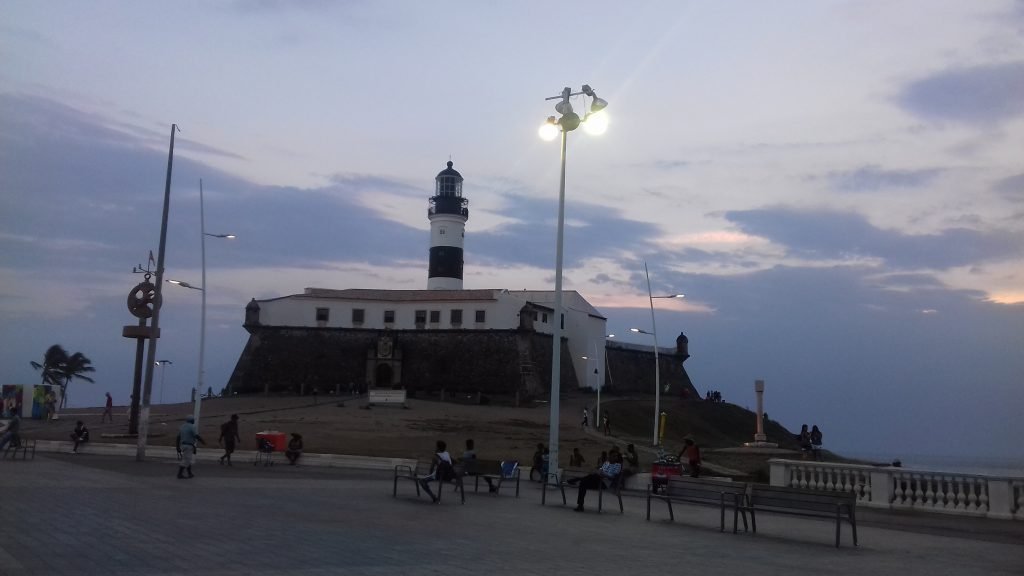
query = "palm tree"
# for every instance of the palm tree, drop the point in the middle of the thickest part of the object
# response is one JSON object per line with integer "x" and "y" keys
{"x": 53, "y": 361}
{"x": 59, "y": 369}
{"x": 77, "y": 366}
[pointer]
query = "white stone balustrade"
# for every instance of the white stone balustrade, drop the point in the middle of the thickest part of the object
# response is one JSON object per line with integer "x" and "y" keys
{"x": 906, "y": 489}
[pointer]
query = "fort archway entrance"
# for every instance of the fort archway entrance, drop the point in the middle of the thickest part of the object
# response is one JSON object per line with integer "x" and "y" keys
{"x": 384, "y": 376}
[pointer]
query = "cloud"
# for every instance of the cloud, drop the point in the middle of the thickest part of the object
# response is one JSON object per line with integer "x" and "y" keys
{"x": 1012, "y": 188}
{"x": 984, "y": 94}
{"x": 873, "y": 178}
{"x": 843, "y": 235}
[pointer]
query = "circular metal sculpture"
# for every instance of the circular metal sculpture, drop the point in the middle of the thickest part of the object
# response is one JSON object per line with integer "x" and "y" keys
{"x": 143, "y": 300}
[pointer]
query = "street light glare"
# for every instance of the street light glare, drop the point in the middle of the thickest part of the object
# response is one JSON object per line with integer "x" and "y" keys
{"x": 596, "y": 123}
{"x": 174, "y": 282}
{"x": 548, "y": 131}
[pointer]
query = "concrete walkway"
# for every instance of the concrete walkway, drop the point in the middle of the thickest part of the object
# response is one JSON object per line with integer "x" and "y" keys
{"x": 89, "y": 514}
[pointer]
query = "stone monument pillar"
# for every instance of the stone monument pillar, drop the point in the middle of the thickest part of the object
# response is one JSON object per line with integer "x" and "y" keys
{"x": 759, "y": 389}
{"x": 760, "y": 438}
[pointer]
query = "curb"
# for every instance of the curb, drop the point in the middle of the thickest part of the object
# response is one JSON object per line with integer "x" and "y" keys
{"x": 213, "y": 453}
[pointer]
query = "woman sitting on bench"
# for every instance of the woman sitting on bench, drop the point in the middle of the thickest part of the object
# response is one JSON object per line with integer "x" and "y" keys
{"x": 441, "y": 469}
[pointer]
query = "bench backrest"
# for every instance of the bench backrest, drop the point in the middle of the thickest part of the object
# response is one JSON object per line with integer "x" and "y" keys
{"x": 799, "y": 499}
{"x": 480, "y": 466}
{"x": 509, "y": 468}
{"x": 695, "y": 489}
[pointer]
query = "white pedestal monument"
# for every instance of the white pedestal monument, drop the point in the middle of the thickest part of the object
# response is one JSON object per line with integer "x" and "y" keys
{"x": 760, "y": 438}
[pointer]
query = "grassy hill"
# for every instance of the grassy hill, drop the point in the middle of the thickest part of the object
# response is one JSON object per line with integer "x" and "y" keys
{"x": 713, "y": 425}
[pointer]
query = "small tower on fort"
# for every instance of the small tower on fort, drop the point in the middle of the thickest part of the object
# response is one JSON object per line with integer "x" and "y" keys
{"x": 447, "y": 213}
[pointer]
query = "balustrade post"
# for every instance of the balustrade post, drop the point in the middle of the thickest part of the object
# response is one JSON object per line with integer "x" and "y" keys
{"x": 778, "y": 474}
{"x": 1000, "y": 499}
{"x": 881, "y": 488}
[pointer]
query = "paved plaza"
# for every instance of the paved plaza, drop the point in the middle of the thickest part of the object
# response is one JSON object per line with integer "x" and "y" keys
{"x": 88, "y": 514}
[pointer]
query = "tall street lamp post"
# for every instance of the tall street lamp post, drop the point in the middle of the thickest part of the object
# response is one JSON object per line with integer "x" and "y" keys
{"x": 600, "y": 381}
{"x": 567, "y": 122}
{"x": 657, "y": 364}
{"x": 163, "y": 364}
{"x": 202, "y": 289}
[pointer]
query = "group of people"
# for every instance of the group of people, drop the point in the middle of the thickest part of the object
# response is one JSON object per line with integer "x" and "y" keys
{"x": 606, "y": 426}
{"x": 442, "y": 467}
{"x": 713, "y": 396}
{"x": 188, "y": 438}
{"x": 810, "y": 441}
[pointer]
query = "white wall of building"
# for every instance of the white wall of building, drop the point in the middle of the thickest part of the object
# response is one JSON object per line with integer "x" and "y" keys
{"x": 584, "y": 330}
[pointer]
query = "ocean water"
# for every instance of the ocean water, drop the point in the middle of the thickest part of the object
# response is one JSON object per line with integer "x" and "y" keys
{"x": 986, "y": 465}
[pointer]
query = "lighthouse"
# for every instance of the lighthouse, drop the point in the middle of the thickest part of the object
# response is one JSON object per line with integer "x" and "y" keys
{"x": 447, "y": 213}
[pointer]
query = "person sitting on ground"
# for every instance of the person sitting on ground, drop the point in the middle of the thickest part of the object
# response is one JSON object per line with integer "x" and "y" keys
{"x": 816, "y": 442}
{"x": 11, "y": 432}
{"x": 441, "y": 469}
{"x": 691, "y": 454}
{"x": 294, "y": 448}
{"x": 604, "y": 476}
{"x": 804, "y": 438}
{"x": 79, "y": 436}
{"x": 576, "y": 460}
{"x": 470, "y": 456}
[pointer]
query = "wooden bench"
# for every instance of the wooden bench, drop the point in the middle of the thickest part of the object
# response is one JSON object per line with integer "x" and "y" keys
{"x": 799, "y": 502}
{"x": 20, "y": 444}
{"x": 494, "y": 471}
{"x": 417, "y": 473}
{"x": 614, "y": 486}
{"x": 721, "y": 493}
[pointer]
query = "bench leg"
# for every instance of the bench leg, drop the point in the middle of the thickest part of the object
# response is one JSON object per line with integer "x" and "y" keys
{"x": 394, "y": 489}
{"x": 853, "y": 523}
{"x": 839, "y": 523}
{"x": 671, "y": 514}
{"x": 753, "y": 521}
{"x": 648, "y": 506}
{"x": 517, "y": 484}
{"x": 544, "y": 493}
{"x": 618, "y": 495}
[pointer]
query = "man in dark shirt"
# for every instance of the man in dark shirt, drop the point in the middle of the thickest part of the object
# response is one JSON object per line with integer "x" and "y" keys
{"x": 79, "y": 436}
{"x": 228, "y": 437}
{"x": 470, "y": 455}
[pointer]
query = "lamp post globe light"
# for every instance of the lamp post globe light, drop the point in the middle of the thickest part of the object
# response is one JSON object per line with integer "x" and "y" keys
{"x": 202, "y": 289}
{"x": 657, "y": 365}
{"x": 567, "y": 121}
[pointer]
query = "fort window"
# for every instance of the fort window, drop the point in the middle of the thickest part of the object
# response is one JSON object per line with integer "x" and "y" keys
{"x": 322, "y": 314}
{"x": 435, "y": 316}
{"x": 358, "y": 315}
{"x": 456, "y": 317}
{"x": 544, "y": 317}
{"x": 389, "y": 316}
{"x": 481, "y": 316}
{"x": 421, "y": 317}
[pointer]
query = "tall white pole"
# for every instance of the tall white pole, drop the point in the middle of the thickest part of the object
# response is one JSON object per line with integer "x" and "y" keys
{"x": 597, "y": 362}
{"x": 556, "y": 333}
{"x": 657, "y": 364}
{"x": 202, "y": 316}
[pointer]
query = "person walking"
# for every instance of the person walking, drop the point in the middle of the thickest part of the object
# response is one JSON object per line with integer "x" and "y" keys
{"x": 586, "y": 418}
{"x": 108, "y": 410}
{"x": 188, "y": 435}
{"x": 228, "y": 437}
{"x": 606, "y": 424}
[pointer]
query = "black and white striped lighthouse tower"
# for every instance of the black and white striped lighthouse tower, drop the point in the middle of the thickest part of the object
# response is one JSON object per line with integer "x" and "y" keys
{"x": 448, "y": 213}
